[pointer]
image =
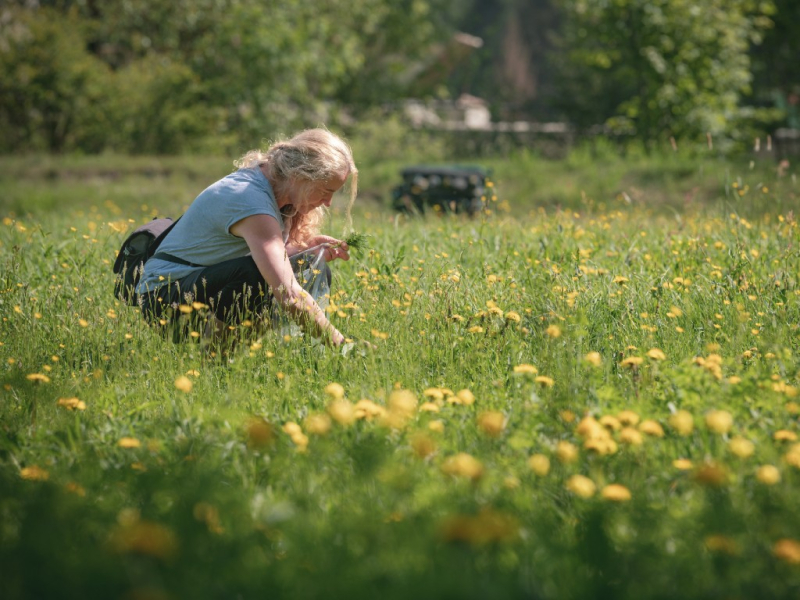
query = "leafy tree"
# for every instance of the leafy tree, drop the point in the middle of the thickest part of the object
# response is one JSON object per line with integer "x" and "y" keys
{"x": 50, "y": 87}
{"x": 656, "y": 68}
{"x": 776, "y": 62}
{"x": 154, "y": 76}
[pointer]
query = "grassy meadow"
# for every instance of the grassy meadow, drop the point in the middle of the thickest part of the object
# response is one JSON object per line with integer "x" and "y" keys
{"x": 589, "y": 391}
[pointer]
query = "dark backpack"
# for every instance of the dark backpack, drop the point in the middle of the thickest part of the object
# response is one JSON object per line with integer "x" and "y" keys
{"x": 136, "y": 249}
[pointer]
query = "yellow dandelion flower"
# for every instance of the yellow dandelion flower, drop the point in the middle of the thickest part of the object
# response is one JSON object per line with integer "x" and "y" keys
{"x": 621, "y": 279}
{"x": 553, "y": 331}
{"x": 259, "y": 433}
{"x": 616, "y": 493}
{"x": 525, "y": 369}
{"x": 683, "y": 464}
{"x": 594, "y": 359}
{"x": 402, "y": 402}
{"x": 589, "y": 428}
{"x": 711, "y": 474}
{"x": 628, "y": 417}
{"x": 467, "y": 398}
{"x": 652, "y": 428}
{"x": 581, "y": 485}
{"x": 610, "y": 423}
{"x": 34, "y": 473}
{"x": 566, "y": 452}
{"x": 429, "y": 407}
{"x": 300, "y": 440}
{"x": 513, "y": 316}
{"x": 768, "y": 474}
{"x": 787, "y": 550}
{"x": 544, "y": 380}
{"x": 539, "y": 464}
{"x": 434, "y": 393}
{"x": 656, "y": 354}
{"x": 38, "y": 377}
{"x": 475, "y": 329}
{"x": 129, "y": 442}
{"x": 83, "y": 322}
{"x": 367, "y": 409}
{"x": 792, "y": 457}
{"x": 632, "y": 362}
{"x": 719, "y": 421}
{"x": 184, "y": 384}
{"x": 741, "y": 447}
{"x": 630, "y": 436}
{"x": 785, "y": 435}
{"x": 567, "y": 415}
{"x": 496, "y": 310}
{"x": 463, "y": 465}
{"x": 74, "y": 488}
{"x": 492, "y": 423}
{"x": 422, "y": 445}
{"x": 318, "y": 424}
{"x": 342, "y": 412}
{"x": 292, "y": 428}
{"x": 682, "y": 421}
{"x": 72, "y": 403}
{"x": 601, "y": 446}
{"x": 334, "y": 390}
{"x": 437, "y": 426}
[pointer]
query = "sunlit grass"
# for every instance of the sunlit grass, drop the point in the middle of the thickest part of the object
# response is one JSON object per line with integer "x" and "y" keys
{"x": 582, "y": 403}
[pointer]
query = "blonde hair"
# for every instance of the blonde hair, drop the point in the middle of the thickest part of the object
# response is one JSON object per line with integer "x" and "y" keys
{"x": 298, "y": 163}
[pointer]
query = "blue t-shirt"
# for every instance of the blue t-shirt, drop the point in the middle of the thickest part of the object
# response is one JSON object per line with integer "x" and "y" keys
{"x": 203, "y": 236}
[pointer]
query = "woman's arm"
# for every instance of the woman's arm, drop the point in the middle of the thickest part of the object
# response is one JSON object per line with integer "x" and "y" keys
{"x": 335, "y": 248}
{"x": 263, "y": 237}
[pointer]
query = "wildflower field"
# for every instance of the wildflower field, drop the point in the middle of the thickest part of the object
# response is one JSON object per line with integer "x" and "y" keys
{"x": 587, "y": 402}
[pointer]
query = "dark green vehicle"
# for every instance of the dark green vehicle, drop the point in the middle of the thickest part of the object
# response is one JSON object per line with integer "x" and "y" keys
{"x": 448, "y": 188}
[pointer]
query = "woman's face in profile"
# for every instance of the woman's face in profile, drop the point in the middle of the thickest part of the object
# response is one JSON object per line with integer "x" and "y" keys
{"x": 321, "y": 193}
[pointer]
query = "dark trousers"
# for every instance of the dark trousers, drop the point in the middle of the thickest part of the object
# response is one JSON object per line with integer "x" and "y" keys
{"x": 233, "y": 290}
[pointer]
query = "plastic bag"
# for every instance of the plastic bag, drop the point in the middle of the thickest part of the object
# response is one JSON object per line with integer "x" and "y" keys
{"x": 314, "y": 276}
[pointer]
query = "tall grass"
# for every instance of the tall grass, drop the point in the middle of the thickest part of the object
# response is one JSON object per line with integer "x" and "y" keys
{"x": 565, "y": 328}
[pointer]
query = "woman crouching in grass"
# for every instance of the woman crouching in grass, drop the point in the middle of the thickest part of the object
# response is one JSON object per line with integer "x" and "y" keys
{"x": 231, "y": 250}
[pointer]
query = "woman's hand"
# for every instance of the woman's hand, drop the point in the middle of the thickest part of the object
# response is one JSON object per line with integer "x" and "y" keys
{"x": 334, "y": 248}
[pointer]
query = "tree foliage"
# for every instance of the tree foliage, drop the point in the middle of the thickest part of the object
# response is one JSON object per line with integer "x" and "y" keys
{"x": 659, "y": 67}
{"x": 170, "y": 76}
{"x": 187, "y": 75}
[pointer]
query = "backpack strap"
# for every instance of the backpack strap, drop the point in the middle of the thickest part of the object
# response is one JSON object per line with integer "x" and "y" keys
{"x": 174, "y": 259}
{"x": 170, "y": 257}
{"x": 157, "y": 242}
